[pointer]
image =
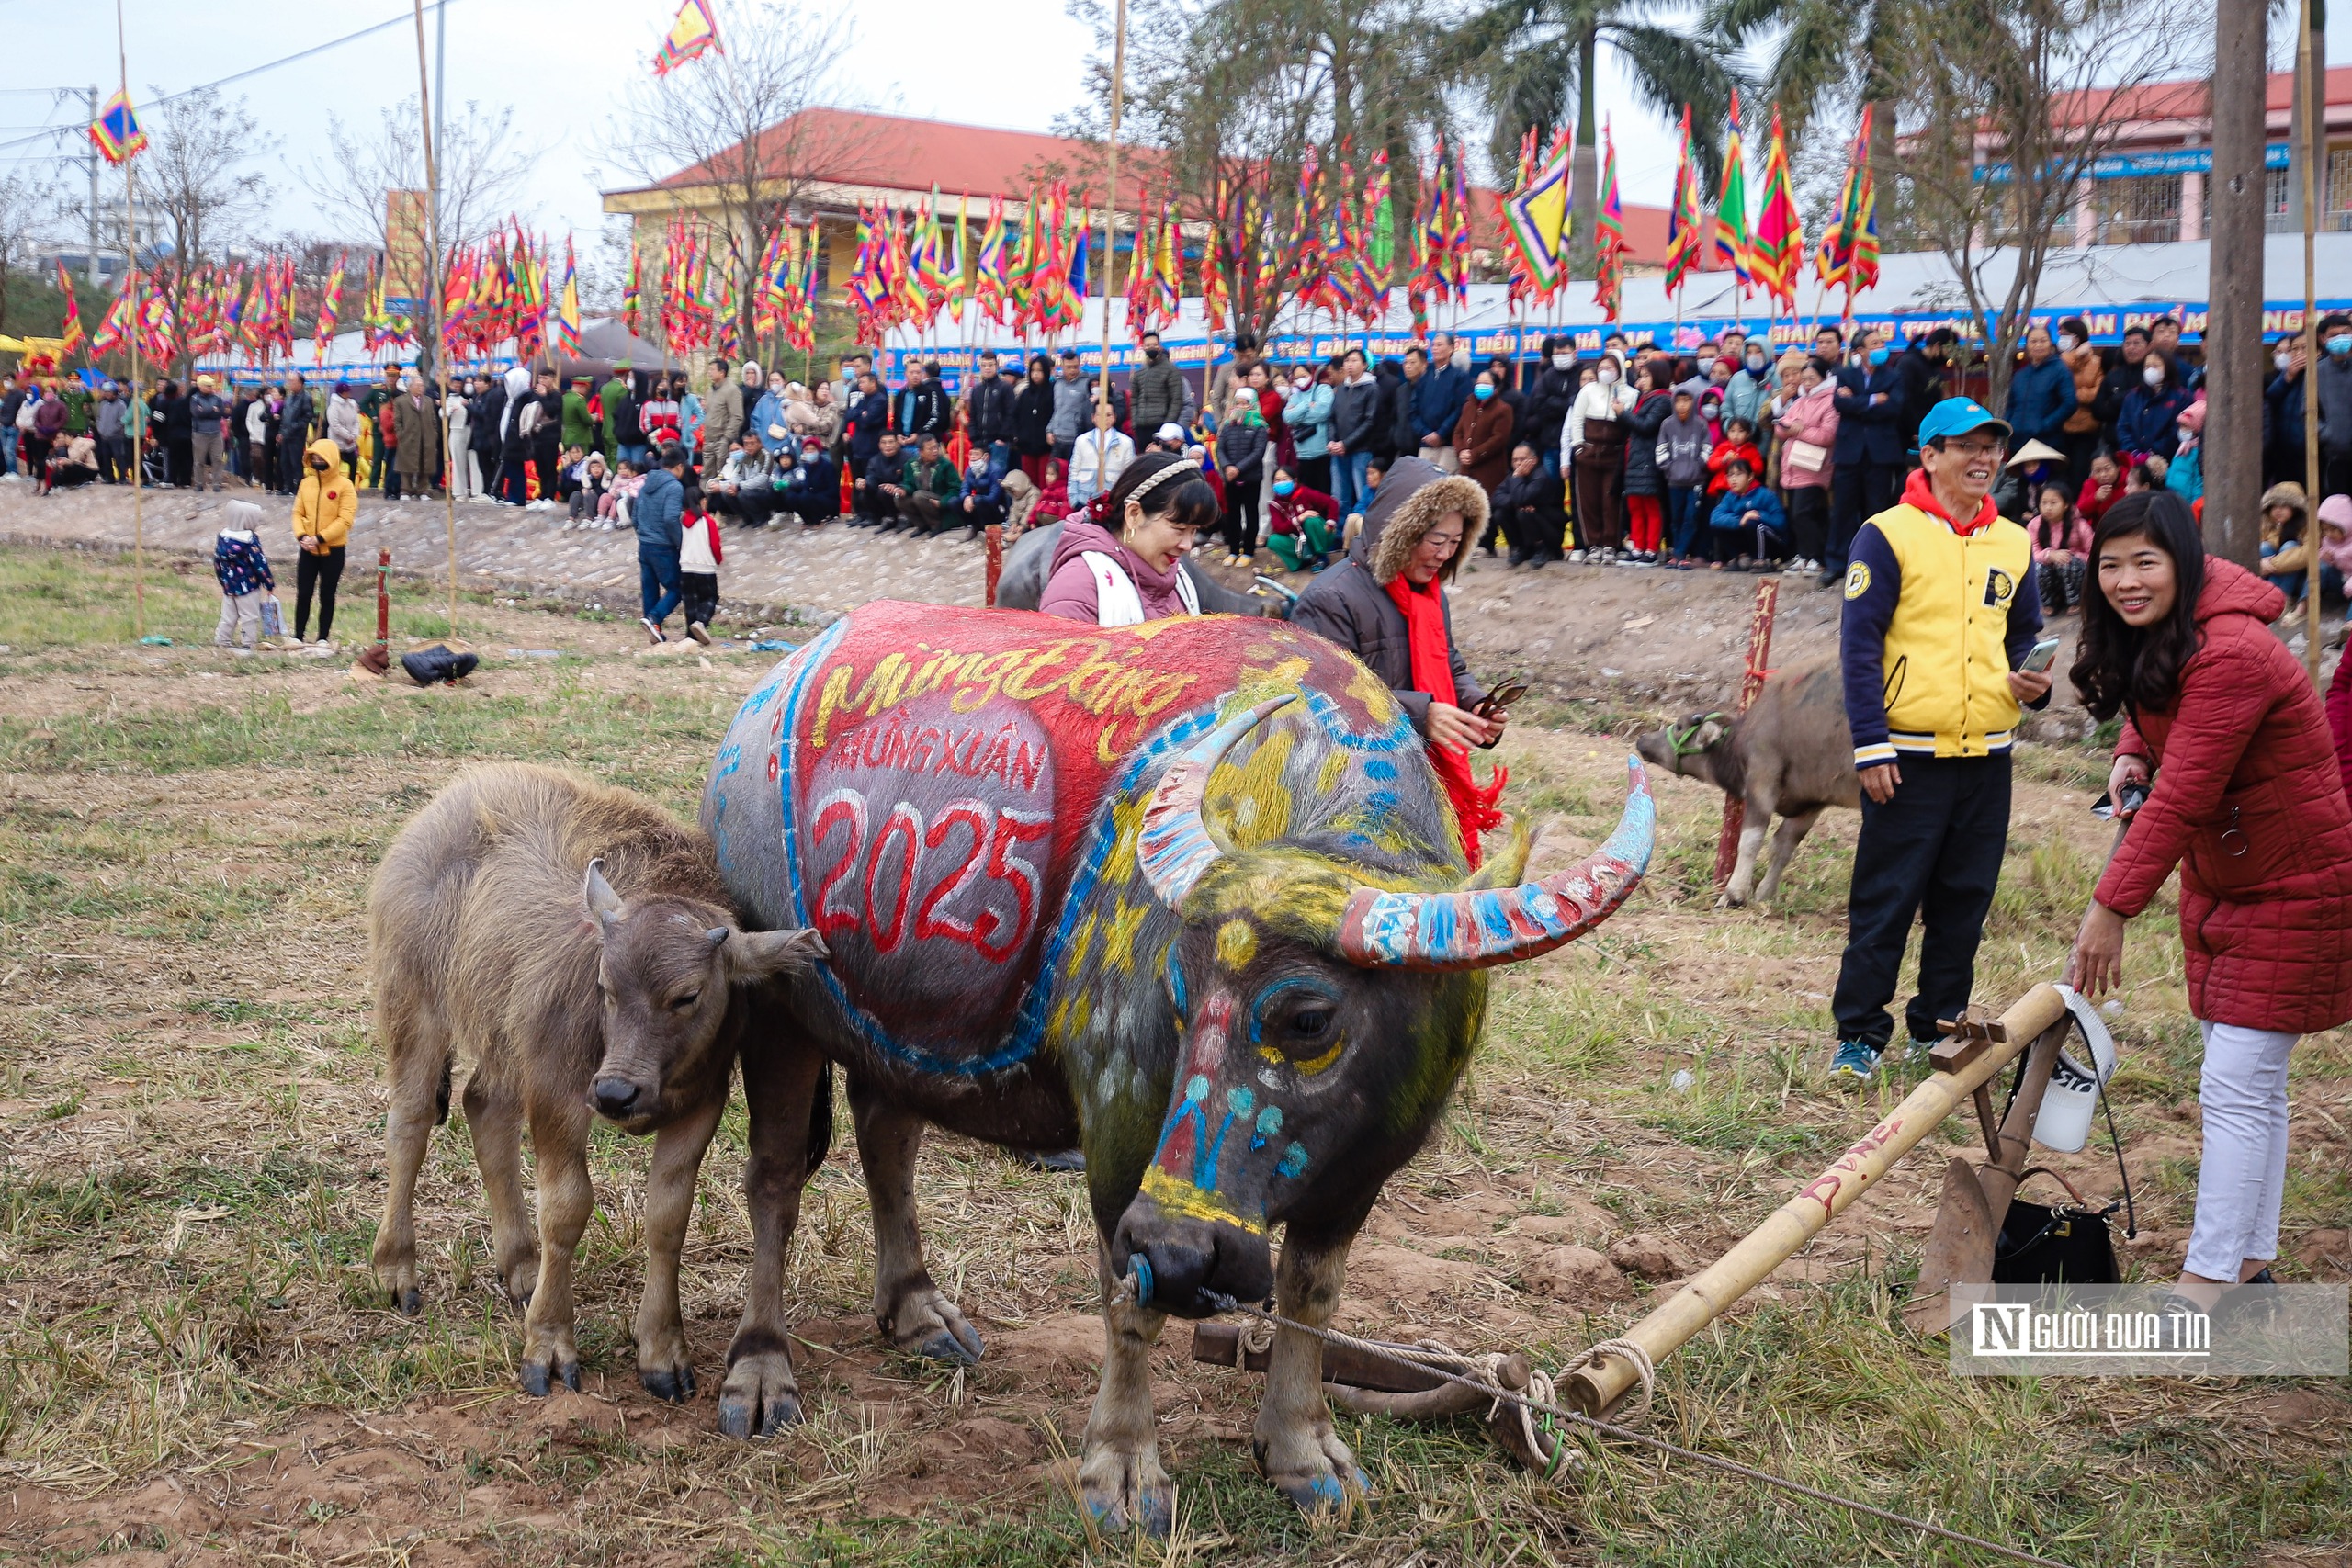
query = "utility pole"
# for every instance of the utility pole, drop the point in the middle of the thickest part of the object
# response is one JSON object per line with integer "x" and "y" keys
{"x": 2235, "y": 367}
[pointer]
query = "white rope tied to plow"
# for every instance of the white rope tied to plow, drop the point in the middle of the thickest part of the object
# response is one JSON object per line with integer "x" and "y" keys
{"x": 1542, "y": 1399}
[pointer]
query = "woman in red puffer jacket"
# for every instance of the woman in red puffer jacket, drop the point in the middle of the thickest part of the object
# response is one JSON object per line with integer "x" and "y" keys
{"x": 2248, "y": 802}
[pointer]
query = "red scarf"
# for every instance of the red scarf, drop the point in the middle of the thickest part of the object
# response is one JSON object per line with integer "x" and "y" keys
{"x": 1432, "y": 662}
{"x": 1917, "y": 491}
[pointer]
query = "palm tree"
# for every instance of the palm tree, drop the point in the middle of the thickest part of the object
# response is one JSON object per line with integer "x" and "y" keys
{"x": 1832, "y": 54}
{"x": 1534, "y": 61}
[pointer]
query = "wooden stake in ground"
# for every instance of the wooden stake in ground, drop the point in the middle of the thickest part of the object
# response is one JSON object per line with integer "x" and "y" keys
{"x": 432, "y": 309}
{"x": 995, "y": 537}
{"x": 1759, "y": 658}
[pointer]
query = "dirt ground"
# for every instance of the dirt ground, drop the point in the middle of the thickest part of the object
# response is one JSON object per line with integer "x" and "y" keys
{"x": 197, "y": 1365}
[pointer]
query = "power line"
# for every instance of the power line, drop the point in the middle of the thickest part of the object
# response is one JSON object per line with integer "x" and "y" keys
{"x": 402, "y": 20}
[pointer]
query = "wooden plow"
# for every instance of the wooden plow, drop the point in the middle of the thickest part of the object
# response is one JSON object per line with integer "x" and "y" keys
{"x": 1383, "y": 1380}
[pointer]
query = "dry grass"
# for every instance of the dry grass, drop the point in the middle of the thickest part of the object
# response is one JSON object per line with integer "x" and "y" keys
{"x": 192, "y": 1357}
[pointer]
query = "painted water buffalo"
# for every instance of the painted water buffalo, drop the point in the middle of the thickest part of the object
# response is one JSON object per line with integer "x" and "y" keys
{"x": 1022, "y": 585}
{"x": 573, "y": 943}
{"x": 1186, "y": 895}
{"x": 1790, "y": 753}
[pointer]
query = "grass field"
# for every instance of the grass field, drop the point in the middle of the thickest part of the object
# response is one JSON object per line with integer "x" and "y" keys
{"x": 195, "y": 1364}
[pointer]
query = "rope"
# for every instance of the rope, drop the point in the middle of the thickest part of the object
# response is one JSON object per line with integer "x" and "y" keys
{"x": 1540, "y": 1400}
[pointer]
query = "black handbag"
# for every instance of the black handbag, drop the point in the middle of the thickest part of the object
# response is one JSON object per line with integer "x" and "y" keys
{"x": 2043, "y": 1243}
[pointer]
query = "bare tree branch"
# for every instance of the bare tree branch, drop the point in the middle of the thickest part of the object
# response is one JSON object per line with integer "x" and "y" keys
{"x": 736, "y": 128}
{"x": 2010, "y": 104}
{"x": 194, "y": 179}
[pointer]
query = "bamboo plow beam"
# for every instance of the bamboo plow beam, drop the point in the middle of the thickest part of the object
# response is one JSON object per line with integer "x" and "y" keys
{"x": 1598, "y": 1387}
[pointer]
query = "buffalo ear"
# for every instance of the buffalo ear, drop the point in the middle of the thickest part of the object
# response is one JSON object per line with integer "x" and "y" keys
{"x": 1709, "y": 733}
{"x": 603, "y": 902}
{"x": 764, "y": 956}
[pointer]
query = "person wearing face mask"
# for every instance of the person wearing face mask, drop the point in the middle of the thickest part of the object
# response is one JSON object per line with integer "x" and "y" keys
{"x": 2123, "y": 376}
{"x": 1593, "y": 449}
{"x": 2144, "y": 428}
{"x": 1749, "y": 386}
{"x": 1547, "y": 401}
{"x": 2282, "y": 415}
{"x": 1155, "y": 394}
{"x": 1484, "y": 433}
{"x": 2334, "y": 380}
{"x": 811, "y": 490}
{"x": 2080, "y": 429}
{"x": 1869, "y": 450}
{"x": 1306, "y": 414}
{"x": 1920, "y": 368}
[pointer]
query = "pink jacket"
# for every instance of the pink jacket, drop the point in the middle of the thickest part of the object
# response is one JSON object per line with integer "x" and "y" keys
{"x": 1070, "y": 591}
{"x": 2077, "y": 537}
{"x": 1813, "y": 417}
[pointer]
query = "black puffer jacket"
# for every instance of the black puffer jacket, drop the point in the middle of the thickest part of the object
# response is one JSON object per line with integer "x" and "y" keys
{"x": 1350, "y": 604}
{"x": 1548, "y": 401}
{"x": 1642, "y": 476}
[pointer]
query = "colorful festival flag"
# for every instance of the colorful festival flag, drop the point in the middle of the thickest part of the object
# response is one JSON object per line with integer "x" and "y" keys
{"x": 564, "y": 330}
{"x": 1733, "y": 245}
{"x": 71, "y": 339}
{"x": 1538, "y": 216}
{"x": 1608, "y": 233}
{"x": 322, "y": 324}
{"x": 1682, "y": 230}
{"x": 693, "y": 32}
{"x": 1778, "y": 256}
{"x": 116, "y": 131}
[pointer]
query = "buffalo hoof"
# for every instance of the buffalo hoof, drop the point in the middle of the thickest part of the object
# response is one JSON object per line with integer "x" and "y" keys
{"x": 676, "y": 1385}
{"x": 760, "y": 1397}
{"x": 927, "y": 1323}
{"x": 1129, "y": 1491}
{"x": 539, "y": 1378}
{"x": 409, "y": 1300}
{"x": 1318, "y": 1475}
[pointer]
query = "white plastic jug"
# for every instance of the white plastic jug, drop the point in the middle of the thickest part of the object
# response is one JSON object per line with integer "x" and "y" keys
{"x": 2073, "y": 1096}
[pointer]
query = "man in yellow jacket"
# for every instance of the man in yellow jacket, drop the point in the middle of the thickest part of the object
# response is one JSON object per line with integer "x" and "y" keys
{"x": 323, "y": 509}
{"x": 1940, "y": 613}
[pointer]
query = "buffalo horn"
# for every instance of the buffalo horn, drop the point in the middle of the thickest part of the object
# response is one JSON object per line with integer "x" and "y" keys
{"x": 1174, "y": 848}
{"x": 1482, "y": 927}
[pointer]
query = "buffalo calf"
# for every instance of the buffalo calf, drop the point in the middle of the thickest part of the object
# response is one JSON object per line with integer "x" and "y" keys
{"x": 1790, "y": 754}
{"x": 577, "y": 946}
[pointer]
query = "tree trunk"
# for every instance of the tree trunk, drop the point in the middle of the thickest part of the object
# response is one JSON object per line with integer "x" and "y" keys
{"x": 2235, "y": 364}
{"x": 1584, "y": 161}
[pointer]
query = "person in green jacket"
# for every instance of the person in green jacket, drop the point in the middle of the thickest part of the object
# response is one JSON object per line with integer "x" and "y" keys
{"x": 932, "y": 482}
{"x": 609, "y": 398}
{"x": 578, "y": 426}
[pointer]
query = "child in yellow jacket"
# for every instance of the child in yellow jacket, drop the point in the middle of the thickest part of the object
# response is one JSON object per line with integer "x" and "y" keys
{"x": 323, "y": 509}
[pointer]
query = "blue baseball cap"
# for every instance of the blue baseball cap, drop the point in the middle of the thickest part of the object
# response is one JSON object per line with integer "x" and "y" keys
{"x": 1959, "y": 416}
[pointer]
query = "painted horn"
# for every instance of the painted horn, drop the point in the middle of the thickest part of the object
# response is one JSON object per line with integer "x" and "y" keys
{"x": 1483, "y": 927}
{"x": 1174, "y": 848}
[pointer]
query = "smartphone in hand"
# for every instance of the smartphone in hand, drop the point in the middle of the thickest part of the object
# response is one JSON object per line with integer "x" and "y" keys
{"x": 2044, "y": 654}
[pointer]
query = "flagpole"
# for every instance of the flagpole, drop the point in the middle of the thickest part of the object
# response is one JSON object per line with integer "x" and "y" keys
{"x": 130, "y": 287}
{"x": 1109, "y": 217}
{"x": 1111, "y": 207}
{"x": 432, "y": 309}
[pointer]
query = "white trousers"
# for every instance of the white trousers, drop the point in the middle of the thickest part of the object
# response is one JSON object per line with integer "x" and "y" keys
{"x": 2244, "y": 1094}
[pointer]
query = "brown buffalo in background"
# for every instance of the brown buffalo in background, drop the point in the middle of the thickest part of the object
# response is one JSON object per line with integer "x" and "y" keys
{"x": 1790, "y": 754}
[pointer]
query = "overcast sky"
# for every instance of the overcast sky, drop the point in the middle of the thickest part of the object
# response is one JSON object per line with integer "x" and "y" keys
{"x": 563, "y": 65}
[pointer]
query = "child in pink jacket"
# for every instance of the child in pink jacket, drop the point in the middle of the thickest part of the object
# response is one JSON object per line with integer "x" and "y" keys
{"x": 2060, "y": 538}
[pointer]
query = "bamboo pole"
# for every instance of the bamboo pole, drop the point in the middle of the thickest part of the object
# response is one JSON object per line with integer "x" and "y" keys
{"x": 2306, "y": 113}
{"x": 432, "y": 309}
{"x": 130, "y": 289}
{"x": 1597, "y": 1388}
